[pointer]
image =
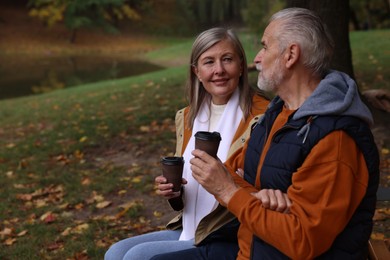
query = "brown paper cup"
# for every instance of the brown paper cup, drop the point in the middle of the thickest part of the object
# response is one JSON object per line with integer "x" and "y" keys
{"x": 172, "y": 169}
{"x": 208, "y": 142}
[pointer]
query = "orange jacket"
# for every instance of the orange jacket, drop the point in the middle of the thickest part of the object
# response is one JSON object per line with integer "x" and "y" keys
{"x": 325, "y": 192}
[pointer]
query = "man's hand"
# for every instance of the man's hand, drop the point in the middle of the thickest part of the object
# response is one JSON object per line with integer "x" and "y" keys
{"x": 271, "y": 199}
{"x": 213, "y": 176}
{"x": 274, "y": 200}
{"x": 165, "y": 189}
{"x": 240, "y": 172}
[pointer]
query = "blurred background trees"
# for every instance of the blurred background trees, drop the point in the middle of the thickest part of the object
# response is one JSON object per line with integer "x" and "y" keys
{"x": 75, "y": 14}
{"x": 191, "y": 16}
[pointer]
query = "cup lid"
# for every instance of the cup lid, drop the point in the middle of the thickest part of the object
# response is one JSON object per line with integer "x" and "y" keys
{"x": 172, "y": 160}
{"x": 208, "y": 136}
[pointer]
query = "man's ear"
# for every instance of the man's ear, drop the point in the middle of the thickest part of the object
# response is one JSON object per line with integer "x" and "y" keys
{"x": 292, "y": 55}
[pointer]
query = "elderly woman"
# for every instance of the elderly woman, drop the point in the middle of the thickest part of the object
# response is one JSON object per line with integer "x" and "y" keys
{"x": 220, "y": 99}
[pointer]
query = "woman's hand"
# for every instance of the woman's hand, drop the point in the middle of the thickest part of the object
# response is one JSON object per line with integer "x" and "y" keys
{"x": 165, "y": 189}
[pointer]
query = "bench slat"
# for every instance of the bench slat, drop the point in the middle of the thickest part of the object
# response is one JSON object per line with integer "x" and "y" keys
{"x": 377, "y": 250}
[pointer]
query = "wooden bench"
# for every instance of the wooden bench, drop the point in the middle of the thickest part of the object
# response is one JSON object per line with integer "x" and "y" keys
{"x": 377, "y": 249}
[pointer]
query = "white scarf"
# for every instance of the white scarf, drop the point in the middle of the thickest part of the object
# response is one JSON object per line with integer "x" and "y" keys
{"x": 198, "y": 202}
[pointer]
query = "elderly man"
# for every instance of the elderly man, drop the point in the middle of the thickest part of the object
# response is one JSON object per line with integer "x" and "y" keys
{"x": 314, "y": 143}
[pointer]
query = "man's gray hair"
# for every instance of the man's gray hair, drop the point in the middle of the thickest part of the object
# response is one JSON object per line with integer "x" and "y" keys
{"x": 305, "y": 28}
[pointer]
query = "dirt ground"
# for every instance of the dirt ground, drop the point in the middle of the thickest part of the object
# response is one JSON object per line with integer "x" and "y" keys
{"x": 21, "y": 34}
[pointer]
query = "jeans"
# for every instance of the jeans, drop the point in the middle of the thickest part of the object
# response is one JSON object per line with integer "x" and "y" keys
{"x": 145, "y": 246}
{"x": 211, "y": 251}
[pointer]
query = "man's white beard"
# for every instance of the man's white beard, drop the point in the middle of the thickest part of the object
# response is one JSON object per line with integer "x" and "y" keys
{"x": 273, "y": 81}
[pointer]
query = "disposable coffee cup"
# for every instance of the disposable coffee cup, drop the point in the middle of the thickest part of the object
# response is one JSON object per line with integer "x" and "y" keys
{"x": 208, "y": 142}
{"x": 172, "y": 170}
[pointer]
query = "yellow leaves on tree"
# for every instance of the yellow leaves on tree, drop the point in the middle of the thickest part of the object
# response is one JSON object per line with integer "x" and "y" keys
{"x": 49, "y": 14}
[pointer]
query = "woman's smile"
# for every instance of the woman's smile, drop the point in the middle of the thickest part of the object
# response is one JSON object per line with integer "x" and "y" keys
{"x": 219, "y": 71}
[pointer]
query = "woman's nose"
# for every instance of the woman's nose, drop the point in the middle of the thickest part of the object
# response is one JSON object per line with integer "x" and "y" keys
{"x": 219, "y": 68}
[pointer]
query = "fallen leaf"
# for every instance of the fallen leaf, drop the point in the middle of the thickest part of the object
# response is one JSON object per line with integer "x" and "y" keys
{"x": 157, "y": 214}
{"x": 102, "y": 243}
{"x": 122, "y": 192}
{"x": 66, "y": 232}
{"x": 9, "y": 241}
{"x": 86, "y": 181}
{"x": 96, "y": 197}
{"x": 79, "y": 206}
{"x": 137, "y": 179}
{"x": 81, "y": 255}
{"x": 103, "y": 204}
{"x": 48, "y": 217}
{"x": 125, "y": 207}
{"x": 40, "y": 203}
{"x": 22, "y": 233}
{"x": 377, "y": 236}
{"x": 55, "y": 246}
{"x": 150, "y": 84}
{"x": 78, "y": 154}
{"x": 83, "y": 139}
{"x": 128, "y": 205}
{"x": 80, "y": 228}
{"x": 22, "y": 164}
{"x": 5, "y": 232}
{"x": 384, "y": 211}
{"x": 10, "y": 145}
{"x": 25, "y": 197}
{"x": 20, "y": 186}
{"x": 144, "y": 128}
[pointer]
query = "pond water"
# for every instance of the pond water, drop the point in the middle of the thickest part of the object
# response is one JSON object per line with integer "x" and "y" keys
{"x": 22, "y": 75}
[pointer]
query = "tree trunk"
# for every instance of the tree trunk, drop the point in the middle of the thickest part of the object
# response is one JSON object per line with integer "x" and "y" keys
{"x": 335, "y": 14}
{"x": 354, "y": 20}
{"x": 72, "y": 37}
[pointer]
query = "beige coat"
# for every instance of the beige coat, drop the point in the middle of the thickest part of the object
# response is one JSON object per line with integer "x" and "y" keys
{"x": 220, "y": 216}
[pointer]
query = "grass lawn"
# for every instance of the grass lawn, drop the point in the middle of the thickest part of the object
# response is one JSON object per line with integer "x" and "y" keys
{"x": 54, "y": 176}
{"x": 77, "y": 165}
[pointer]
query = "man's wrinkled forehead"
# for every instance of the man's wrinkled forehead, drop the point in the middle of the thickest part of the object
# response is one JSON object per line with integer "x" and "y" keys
{"x": 269, "y": 33}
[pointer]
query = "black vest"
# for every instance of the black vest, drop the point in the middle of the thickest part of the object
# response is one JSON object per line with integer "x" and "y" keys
{"x": 288, "y": 150}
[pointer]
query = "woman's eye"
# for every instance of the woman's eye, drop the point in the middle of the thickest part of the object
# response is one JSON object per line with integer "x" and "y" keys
{"x": 227, "y": 59}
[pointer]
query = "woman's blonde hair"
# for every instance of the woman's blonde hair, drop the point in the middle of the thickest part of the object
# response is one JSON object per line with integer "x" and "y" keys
{"x": 196, "y": 93}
